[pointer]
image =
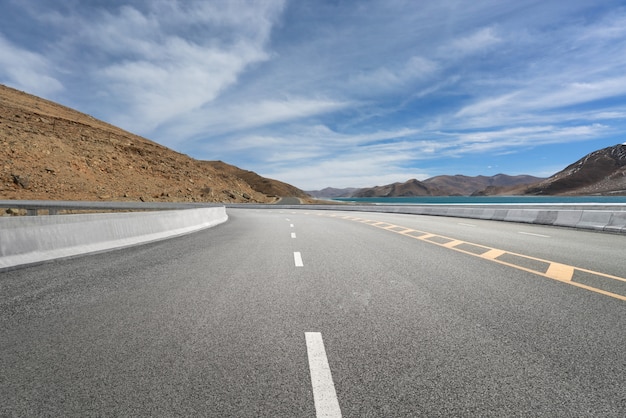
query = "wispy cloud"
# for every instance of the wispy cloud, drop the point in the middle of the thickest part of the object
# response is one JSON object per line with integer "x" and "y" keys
{"x": 188, "y": 75}
{"x": 385, "y": 79}
{"x": 156, "y": 61}
{"x": 238, "y": 118}
{"x": 27, "y": 70}
{"x": 478, "y": 41}
{"x": 509, "y": 139}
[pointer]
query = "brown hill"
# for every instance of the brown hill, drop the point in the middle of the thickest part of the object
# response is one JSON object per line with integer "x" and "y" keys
{"x": 331, "y": 192}
{"x": 52, "y": 152}
{"x": 600, "y": 172}
{"x": 457, "y": 185}
{"x": 465, "y": 185}
{"x": 409, "y": 188}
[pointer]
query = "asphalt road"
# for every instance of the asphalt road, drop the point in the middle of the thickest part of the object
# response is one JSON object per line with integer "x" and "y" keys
{"x": 380, "y": 315}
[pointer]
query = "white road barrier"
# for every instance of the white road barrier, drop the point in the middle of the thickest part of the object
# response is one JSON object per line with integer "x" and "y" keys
{"x": 35, "y": 239}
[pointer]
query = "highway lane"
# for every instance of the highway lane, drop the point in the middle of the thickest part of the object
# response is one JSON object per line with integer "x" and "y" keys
{"x": 590, "y": 249}
{"x": 593, "y": 257}
{"x": 214, "y": 323}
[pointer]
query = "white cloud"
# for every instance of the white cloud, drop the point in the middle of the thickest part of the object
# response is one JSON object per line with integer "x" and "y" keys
{"x": 320, "y": 141}
{"x": 578, "y": 92}
{"x": 574, "y": 64}
{"x": 213, "y": 120}
{"x": 529, "y": 104}
{"x": 385, "y": 78}
{"x": 271, "y": 111}
{"x": 514, "y": 139}
{"x": 160, "y": 62}
{"x": 489, "y": 104}
{"x": 26, "y": 70}
{"x": 611, "y": 28}
{"x": 479, "y": 41}
{"x": 186, "y": 77}
{"x": 340, "y": 172}
{"x": 313, "y": 157}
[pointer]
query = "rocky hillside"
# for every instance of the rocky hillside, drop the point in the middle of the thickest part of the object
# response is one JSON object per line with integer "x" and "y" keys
{"x": 53, "y": 152}
{"x": 465, "y": 185}
{"x": 332, "y": 192}
{"x": 445, "y": 186}
{"x": 409, "y": 188}
{"x": 601, "y": 172}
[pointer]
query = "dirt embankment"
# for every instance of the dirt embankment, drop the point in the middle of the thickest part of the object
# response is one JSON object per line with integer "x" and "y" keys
{"x": 52, "y": 152}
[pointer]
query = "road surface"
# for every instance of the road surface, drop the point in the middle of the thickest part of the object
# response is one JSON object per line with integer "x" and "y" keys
{"x": 300, "y": 313}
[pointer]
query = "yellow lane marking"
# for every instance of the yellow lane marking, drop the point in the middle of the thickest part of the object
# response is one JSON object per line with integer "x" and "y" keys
{"x": 492, "y": 254}
{"x": 556, "y": 271}
{"x": 559, "y": 271}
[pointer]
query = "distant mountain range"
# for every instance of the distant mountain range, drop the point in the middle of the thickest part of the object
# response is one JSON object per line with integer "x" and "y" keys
{"x": 331, "y": 192}
{"x": 600, "y": 172}
{"x": 457, "y": 185}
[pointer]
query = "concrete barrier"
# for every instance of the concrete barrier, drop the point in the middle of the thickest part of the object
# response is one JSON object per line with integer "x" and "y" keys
{"x": 610, "y": 218}
{"x": 528, "y": 216}
{"x": 30, "y": 240}
{"x": 569, "y": 218}
{"x": 592, "y": 219}
{"x": 546, "y": 217}
{"x": 617, "y": 223}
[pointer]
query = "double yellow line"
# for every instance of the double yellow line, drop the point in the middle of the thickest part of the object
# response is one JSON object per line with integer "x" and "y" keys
{"x": 552, "y": 270}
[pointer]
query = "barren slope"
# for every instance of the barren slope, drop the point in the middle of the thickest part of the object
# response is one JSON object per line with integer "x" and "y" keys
{"x": 600, "y": 172}
{"x": 52, "y": 152}
{"x": 410, "y": 188}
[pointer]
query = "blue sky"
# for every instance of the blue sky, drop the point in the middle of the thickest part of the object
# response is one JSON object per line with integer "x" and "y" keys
{"x": 336, "y": 93}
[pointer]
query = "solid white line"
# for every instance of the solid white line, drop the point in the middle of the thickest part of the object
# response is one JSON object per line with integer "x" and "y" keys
{"x": 324, "y": 395}
{"x": 293, "y": 235}
{"x": 297, "y": 258}
{"x": 534, "y": 235}
{"x": 460, "y": 223}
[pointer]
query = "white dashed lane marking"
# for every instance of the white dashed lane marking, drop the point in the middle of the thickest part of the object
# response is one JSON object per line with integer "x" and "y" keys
{"x": 324, "y": 395}
{"x": 534, "y": 235}
{"x": 297, "y": 258}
